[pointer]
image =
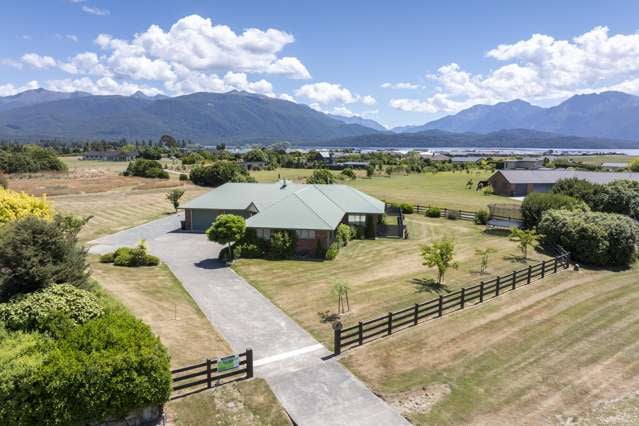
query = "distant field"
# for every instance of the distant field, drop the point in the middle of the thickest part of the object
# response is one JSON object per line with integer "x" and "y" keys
{"x": 445, "y": 189}
{"x": 598, "y": 159}
{"x": 563, "y": 351}
{"x": 384, "y": 274}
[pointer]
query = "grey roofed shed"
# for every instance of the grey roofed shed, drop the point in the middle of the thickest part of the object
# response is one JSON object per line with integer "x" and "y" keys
{"x": 552, "y": 176}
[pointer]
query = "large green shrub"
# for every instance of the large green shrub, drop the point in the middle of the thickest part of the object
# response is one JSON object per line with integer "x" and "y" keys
{"x": 332, "y": 251}
{"x": 577, "y": 188}
{"x": 343, "y": 234}
{"x": 407, "y": 208}
{"x": 146, "y": 168}
{"x": 103, "y": 368}
{"x": 603, "y": 239}
{"x": 219, "y": 173}
{"x": 482, "y": 216}
{"x": 321, "y": 176}
{"x": 536, "y": 203}
{"x": 282, "y": 245}
{"x": 131, "y": 257}
{"x": 29, "y": 159}
{"x": 35, "y": 253}
{"x": 192, "y": 158}
{"x": 349, "y": 173}
{"x": 40, "y": 310}
{"x": 433, "y": 212}
{"x": 620, "y": 196}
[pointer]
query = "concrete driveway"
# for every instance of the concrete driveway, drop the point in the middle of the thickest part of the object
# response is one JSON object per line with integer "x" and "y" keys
{"x": 313, "y": 391}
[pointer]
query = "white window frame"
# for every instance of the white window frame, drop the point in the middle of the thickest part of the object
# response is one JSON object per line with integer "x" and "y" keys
{"x": 305, "y": 234}
{"x": 357, "y": 219}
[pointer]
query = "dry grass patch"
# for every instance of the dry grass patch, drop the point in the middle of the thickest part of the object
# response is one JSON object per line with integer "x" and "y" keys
{"x": 562, "y": 350}
{"x": 242, "y": 403}
{"x": 384, "y": 274}
{"x": 154, "y": 295}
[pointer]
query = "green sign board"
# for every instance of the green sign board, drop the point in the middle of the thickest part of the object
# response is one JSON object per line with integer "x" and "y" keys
{"x": 228, "y": 362}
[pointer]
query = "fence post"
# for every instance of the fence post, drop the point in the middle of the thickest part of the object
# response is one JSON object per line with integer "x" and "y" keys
{"x": 497, "y": 286}
{"x": 360, "y": 332}
{"x": 555, "y": 266}
{"x": 543, "y": 268}
{"x": 208, "y": 373}
{"x": 481, "y": 292}
{"x": 390, "y": 322}
{"x": 463, "y": 298}
{"x": 416, "y": 314}
{"x": 337, "y": 337}
{"x": 440, "y": 310}
{"x": 249, "y": 363}
{"x": 529, "y": 273}
{"x": 514, "y": 279}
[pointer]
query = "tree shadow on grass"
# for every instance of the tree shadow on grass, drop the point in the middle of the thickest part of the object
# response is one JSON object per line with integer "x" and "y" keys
{"x": 513, "y": 258}
{"x": 327, "y": 317}
{"x": 424, "y": 285}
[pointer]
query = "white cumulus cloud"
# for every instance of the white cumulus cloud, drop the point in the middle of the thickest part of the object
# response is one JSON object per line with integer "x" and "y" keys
{"x": 400, "y": 85}
{"x": 38, "y": 61}
{"x": 10, "y": 90}
{"x": 92, "y": 10}
{"x": 324, "y": 93}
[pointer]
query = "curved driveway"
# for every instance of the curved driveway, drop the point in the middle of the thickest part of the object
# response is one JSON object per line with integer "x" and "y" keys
{"x": 313, "y": 391}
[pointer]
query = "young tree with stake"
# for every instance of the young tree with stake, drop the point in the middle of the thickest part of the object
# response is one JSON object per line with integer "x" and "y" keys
{"x": 440, "y": 255}
{"x": 525, "y": 238}
{"x": 340, "y": 290}
{"x": 483, "y": 255}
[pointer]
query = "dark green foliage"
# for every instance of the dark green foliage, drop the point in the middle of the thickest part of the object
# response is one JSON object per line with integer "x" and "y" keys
{"x": 150, "y": 153}
{"x": 481, "y": 217}
{"x": 433, "y": 212}
{"x": 577, "y": 188}
{"x": 332, "y": 252}
{"x": 192, "y": 158}
{"x": 4, "y": 183}
{"x": 321, "y": 176}
{"x": 349, "y": 173}
{"x": 174, "y": 196}
{"x": 39, "y": 311}
{"x": 407, "y": 208}
{"x": 255, "y": 155}
{"x": 131, "y": 257}
{"x": 282, "y": 244}
{"x": 146, "y": 168}
{"x": 219, "y": 173}
{"x": 536, "y": 203}
{"x": 184, "y": 177}
{"x": 602, "y": 239}
{"x": 29, "y": 159}
{"x": 35, "y": 253}
{"x": 103, "y": 368}
{"x": 343, "y": 234}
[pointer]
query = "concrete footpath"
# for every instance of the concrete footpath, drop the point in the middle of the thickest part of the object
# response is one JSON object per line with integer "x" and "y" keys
{"x": 313, "y": 391}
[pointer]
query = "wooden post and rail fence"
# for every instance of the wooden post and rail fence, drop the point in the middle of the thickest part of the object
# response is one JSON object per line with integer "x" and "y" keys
{"x": 385, "y": 325}
{"x": 213, "y": 372}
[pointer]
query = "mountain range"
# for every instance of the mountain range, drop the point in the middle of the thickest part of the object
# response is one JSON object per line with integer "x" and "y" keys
{"x": 612, "y": 115}
{"x": 605, "y": 120}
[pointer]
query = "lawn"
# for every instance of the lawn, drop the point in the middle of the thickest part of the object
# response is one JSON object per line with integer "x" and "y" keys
{"x": 154, "y": 295}
{"x": 443, "y": 189}
{"x": 384, "y": 274}
{"x": 563, "y": 351}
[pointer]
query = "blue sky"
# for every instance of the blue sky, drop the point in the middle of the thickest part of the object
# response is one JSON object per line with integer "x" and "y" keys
{"x": 402, "y": 62}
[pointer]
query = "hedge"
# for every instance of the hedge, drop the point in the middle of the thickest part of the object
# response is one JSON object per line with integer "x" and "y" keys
{"x": 536, "y": 203}
{"x": 102, "y": 369}
{"x": 603, "y": 239}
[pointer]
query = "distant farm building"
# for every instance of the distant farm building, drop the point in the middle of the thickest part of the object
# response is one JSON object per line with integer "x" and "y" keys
{"x": 523, "y": 164}
{"x": 466, "y": 160}
{"x": 109, "y": 156}
{"x": 518, "y": 183}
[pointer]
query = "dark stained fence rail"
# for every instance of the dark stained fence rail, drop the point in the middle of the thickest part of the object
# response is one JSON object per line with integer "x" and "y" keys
{"x": 205, "y": 375}
{"x": 365, "y": 331}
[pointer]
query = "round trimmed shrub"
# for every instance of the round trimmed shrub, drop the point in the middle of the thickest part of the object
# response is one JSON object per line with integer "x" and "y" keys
{"x": 407, "y": 208}
{"x": 39, "y": 311}
{"x": 536, "y": 203}
{"x": 433, "y": 212}
{"x": 603, "y": 239}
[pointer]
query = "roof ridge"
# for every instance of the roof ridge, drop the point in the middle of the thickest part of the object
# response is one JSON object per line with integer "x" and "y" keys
{"x": 311, "y": 208}
{"x": 359, "y": 193}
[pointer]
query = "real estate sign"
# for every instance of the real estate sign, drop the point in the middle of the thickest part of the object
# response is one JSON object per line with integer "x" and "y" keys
{"x": 228, "y": 362}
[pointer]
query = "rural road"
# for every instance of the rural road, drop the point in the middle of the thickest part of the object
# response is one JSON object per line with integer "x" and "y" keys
{"x": 313, "y": 391}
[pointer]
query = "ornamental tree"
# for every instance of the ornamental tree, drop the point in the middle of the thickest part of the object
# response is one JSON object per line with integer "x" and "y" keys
{"x": 226, "y": 229}
{"x": 440, "y": 255}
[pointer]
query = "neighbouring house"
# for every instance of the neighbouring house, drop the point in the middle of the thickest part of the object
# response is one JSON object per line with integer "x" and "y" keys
{"x": 518, "y": 183}
{"x": 466, "y": 160}
{"x": 439, "y": 158}
{"x": 313, "y": 212}
{"x": 523, "y": 164}
{"x": 109, "y": 156}
{"x": 614, "y": 166}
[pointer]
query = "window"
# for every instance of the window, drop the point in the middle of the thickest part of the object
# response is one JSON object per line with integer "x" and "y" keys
{"x": 357, "y": 218}
{"x": 305, "y": 234}
{"x": 264, "y": 234}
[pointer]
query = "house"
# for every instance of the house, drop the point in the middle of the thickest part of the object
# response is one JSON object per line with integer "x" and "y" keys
{"x": 313, "y": 212}
{"x": 518, "y": 183}
{"x": 523, "y": 164}
{"x": 109, "y": 156}
{"x": 466, "y": 160}
{"x": 439, "y": 158}
{"x": 614, "y": 166}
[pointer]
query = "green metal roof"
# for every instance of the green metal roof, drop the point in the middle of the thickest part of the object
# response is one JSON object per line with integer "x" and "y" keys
{"x": 290, "y": 205}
